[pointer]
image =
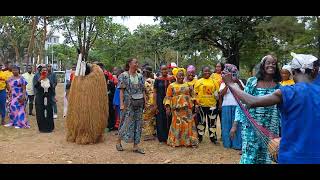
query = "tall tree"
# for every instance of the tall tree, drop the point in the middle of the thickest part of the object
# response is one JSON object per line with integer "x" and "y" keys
{"x": 279, "y": 36}
{"x": 82, "y": 31}
{"x": 16, "y": 29}
{"x": 34, "y": 23}
{"x": 227, "y": 33}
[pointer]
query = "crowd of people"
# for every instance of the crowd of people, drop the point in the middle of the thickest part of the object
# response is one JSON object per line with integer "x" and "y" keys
{"x": 19, "y": 90}
{"x": 184, "y": 105}
{"x": 177, "y": 107}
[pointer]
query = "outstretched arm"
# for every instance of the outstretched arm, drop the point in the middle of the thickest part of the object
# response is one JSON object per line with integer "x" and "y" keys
{"x": 253, "y": 101}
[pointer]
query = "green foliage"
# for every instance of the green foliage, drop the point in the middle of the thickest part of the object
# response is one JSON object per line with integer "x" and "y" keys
{"x": 197, "y": 33}
{"x": 65, "y": 53}
{"x": 15, "y": 32}
{"x": 197, "y": 40}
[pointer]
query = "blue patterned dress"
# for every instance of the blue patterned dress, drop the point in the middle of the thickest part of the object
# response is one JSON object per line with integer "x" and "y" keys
{"x": 130, "y": 120}
{"x": 17, "y": 113}
{"x": 253, "y": 149}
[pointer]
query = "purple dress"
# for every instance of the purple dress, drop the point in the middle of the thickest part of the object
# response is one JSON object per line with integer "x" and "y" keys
{"x": 17, "y": 113}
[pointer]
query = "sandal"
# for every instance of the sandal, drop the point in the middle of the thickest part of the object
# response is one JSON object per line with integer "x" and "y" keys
{"x": 195, "y": 146}
{"x": 119, "y": 147}
{"x": 140, "y": 151}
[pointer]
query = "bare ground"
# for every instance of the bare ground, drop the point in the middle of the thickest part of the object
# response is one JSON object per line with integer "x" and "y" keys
{"x": 28, "y": 146}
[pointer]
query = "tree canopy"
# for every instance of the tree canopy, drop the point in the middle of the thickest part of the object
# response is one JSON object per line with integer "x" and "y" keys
{"x": 197, "y": 40}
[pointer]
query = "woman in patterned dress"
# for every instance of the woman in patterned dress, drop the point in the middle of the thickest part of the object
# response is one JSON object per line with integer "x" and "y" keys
{"x": 130, "y": 83}
{"x": 179, "y": 102}
{"x": 17, "y": 88}
{"x": 149, "y": 120}
{"x": 266, "y": 82}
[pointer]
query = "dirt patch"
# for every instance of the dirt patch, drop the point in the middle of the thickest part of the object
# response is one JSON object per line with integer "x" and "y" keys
{"x": 28, "y": 146}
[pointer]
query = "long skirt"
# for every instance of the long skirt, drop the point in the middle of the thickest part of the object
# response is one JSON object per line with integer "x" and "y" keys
{"x": 130, "y": 125}
{"x": 149, "y": 121}
{"x": 228, "y": 115}
{"x": 163, "y": 123}
{"x": 183, "y": 130}
{"x": 44, "y": 120}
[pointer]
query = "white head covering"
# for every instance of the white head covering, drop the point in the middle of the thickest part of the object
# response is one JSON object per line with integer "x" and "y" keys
{"x": 288, "y": 68}
{"x": 173, "y": 65}
{"x": 302, "y": 61}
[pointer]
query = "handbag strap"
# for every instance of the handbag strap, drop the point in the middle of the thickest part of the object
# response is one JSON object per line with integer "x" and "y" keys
{"x": 130, "y": 83}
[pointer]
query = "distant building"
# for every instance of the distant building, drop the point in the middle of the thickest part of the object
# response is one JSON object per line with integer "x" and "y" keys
{"x": 50, "y": 59}
{"x": 52, "y": 40}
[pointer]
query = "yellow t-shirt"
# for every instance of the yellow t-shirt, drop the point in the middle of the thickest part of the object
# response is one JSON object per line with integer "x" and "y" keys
{"x": 206, "y": 91}
{"x": 193, "y": 82}
{"x": 4, "y": 76}
{"x": 217, "y": 77}
{"x": 287, "y": 82}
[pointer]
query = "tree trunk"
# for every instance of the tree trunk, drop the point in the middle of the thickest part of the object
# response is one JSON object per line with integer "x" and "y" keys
{"x": 14, "y": 44}
{"x": 232, "y": 55}
{"x": 31, "y": 43}
{"x": 43, "y": 40}
{"x": 84, "y": 45}
{"x": 79, "y": 38}
{"x": 16, "y": 50}
{"x": 35, "y": 59}
{"x": 91, "y": 37}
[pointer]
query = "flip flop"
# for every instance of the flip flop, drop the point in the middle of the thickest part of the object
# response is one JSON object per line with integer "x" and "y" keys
{"x": 140, "y": 151}
{"x": 119, "y": 147}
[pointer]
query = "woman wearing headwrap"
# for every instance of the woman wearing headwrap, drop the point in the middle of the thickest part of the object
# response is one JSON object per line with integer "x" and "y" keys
{"x": 175, "y": 72}
{"x": 300, "y": 112}
{"x": 266, "y": 82}
{"x": 228, "y": 110}
{"x": 160, "y": 88}
{"x": 18, "y": 94}
{"x": 286, "y": 76}
{"x": 179, "y": 101}
{"x": 191, "y": 79}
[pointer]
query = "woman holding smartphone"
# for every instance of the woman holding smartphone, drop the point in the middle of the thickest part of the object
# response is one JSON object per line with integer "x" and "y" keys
{"x": 44, "y": 111}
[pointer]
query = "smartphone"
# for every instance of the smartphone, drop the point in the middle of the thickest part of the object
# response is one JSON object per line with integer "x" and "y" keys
{"x": 44, "y": 74}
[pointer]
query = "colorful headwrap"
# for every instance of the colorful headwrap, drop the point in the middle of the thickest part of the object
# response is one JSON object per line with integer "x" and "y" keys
{"x": 302, "y": 61}
{"x": 230, "y": 68}
{"x": 176, "y": 70}
{"x": 191, "y": 68}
